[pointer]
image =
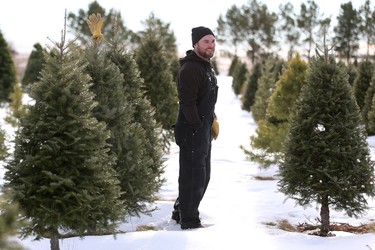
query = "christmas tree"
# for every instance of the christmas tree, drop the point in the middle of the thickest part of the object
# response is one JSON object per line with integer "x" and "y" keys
{"x": 61, "y": 174}
{"x": 140, "y": 151}
{"x": 327, "y": 158}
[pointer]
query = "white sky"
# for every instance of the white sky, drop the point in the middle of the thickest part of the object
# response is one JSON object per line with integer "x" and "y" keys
{"x": 235, "y": 208}
{"x": 24, "y": 23}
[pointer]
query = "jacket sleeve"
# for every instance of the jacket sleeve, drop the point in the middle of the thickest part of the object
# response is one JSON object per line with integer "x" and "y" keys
{"x": 188, "y": 88}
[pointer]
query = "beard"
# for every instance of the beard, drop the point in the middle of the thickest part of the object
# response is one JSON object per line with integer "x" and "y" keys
{"x": 206, "y": 53}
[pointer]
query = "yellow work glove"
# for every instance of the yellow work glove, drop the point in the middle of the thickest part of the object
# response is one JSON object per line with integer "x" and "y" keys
{"x": 215, "y": 128}
{"x": 95, "y": 23}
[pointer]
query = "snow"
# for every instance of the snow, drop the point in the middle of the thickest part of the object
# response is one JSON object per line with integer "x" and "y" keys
{"x": 237, "y": 209}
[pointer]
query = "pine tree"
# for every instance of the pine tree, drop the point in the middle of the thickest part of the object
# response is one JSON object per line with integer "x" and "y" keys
{"x": 267, "y": 142}
{"x": 158, "y": 85}
{"x": 62, "y": 175}
{"x": 16, "y": 108}
{"x": 116, "y": 108}
{"x": 140, "y": 165}
{"x": 266, "y": 84}
{"x": 8, "y": 74}
{"x": 240, "y": 75}
{"x": 327, "y": 158}
{"x": 371, "y": 118}
{"x": 33, "y": 67}
{"x": 251, "y": 88}
{"x": 3, "y": 148}
{"x": 233, "y": 65}
{"x": 362, "y": 83}
{"x": 9, "y": 223}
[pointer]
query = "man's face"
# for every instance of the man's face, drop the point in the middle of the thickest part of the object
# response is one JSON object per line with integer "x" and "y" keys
{"x": 205, "y": 47}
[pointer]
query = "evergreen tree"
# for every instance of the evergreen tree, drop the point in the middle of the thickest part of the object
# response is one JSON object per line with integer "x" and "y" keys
{"x": 79, "y": 28}
{"x": 371, "y": 118}
{"x": 16, "y": 108}
{"x": 288, "y": 27}
{"x": 266, "y": 84}
{"x": 251, "y": 87}
{"x": 8, "y": 74}
{"x": 240, "y": 75}
{"x": 352, "y": 72}
{"x": 33, "y": 67}
{"x": 327, "y": 159}
{"x": 230, "y": 28}
{"x": 140, "y": 165}
{"x": 154, "y": 27}
{"x": 3, "y": 148}
{"x": 158, "y": 85}
{"x": 367, "y": 27}
{"x": 270, "y": 134}
{"x": 233, "y": 65}
{"x": 8, "y": 223}
{"x": 362, "y": 82}
{"x": 307, "y": 21}
{"x": 116, "y": 108}
{"x": 214, "y": 65}
{"x": 62, "y": 175}
{"x": 347, "y": 31}
{"x": 365, "y": 78}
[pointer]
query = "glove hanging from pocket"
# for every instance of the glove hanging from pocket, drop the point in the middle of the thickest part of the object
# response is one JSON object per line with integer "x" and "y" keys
{"x": 215, "y": 128}
{"x": 95, "y": 23}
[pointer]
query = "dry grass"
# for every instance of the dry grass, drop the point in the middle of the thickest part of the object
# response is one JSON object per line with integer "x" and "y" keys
{"x": 265, "y": 178}
{"x": 146, "y": 228}
{"x": 286, "y": 226}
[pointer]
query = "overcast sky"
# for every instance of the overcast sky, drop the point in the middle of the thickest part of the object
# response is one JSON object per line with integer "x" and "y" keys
{"x": 24, "y": 23}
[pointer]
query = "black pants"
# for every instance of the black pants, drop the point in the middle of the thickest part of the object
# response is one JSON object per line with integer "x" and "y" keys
{"x": 194, "y": 176}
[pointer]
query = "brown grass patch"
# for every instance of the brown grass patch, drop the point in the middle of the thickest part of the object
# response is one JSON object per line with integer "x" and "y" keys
{"x": 264, "y": 178}
{"x": 146, "y": 228}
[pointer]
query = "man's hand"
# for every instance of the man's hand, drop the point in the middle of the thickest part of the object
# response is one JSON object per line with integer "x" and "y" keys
{"x": 215, "y": 128}
{"x": 95, "y": 23}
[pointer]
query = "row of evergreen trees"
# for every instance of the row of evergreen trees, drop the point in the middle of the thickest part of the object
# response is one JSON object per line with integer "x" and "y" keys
{"x": 311, "y": 125}
{"x": 89, "y": 149}
{"x": 254, "y": 28}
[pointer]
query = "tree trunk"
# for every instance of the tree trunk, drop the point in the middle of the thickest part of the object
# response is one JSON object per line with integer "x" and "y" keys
{"x": 324, "y": 216}
{"x": 55, "y": 243}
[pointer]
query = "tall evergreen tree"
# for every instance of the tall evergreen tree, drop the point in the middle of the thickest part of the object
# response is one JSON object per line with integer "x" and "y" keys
{"x": 288, "y": 27}
{"x": 251, "y": 87}
{"x": 347, "y": 31}
{"x": 267, "y": 142}
{"x": 8, "y": 74}
{"x": 307, "y": 21}
{"x": 78, "y": 25}
{"x": 116, "y": 108}
{"x": 158, "y": 85}
{"x": 33, "y": 67}
{"x": 61, "y": 174}
{"x": 140, "y": 165}
{"x": 367, "y": 27}
{"x": 230, "y": 28}
{"x": 327, "y": 158}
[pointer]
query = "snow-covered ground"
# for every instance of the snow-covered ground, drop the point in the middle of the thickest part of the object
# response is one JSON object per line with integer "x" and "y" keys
{"x": 236, "y": 208}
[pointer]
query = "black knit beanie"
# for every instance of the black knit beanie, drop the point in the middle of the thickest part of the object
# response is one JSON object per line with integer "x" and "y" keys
{"x": 198, "y": 32}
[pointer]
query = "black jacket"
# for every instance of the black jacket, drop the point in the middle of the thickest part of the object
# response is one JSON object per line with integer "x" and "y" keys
{"x": 197, "y": 90}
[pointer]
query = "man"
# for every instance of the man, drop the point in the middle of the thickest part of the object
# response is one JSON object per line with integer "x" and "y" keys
{"x": 197, "y": 92}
